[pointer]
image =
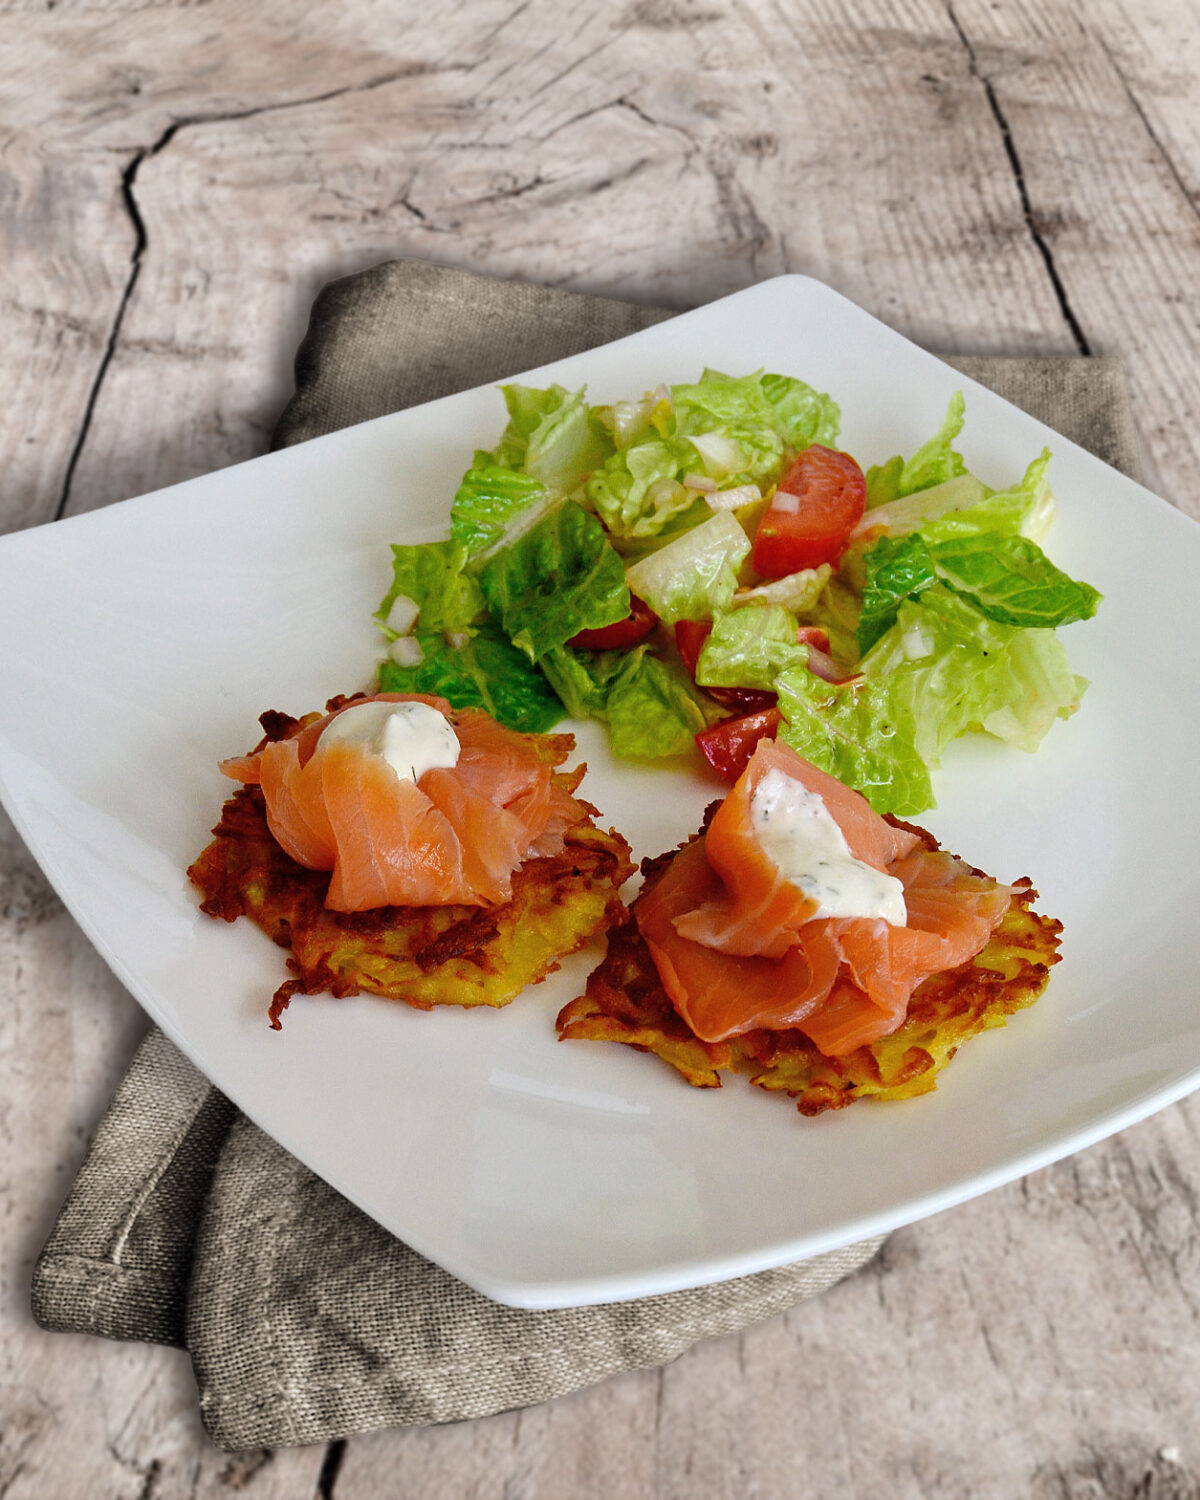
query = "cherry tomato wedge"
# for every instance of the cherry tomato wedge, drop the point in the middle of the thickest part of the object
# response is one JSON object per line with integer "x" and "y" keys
{"x": 728, "y": 747}
{"x": 690, "y": 636}
{"x": 817, "y": 505}
{"x": 640, "y": 621}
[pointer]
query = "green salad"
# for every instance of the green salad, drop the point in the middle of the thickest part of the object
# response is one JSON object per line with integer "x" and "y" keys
{"x": 704, "y": 566}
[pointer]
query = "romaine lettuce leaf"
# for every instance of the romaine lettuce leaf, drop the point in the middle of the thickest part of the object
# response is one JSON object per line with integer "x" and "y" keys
{"x": 1010, "y": 579}
{"x": 737, "y": 408}
{"x": 936, "y": 461}
{"x": 639, "y": 491}
{"x": 883, "y": 482}
{"x": 694, "y": 576}
{"x": 1026, "y": 509}
{"x": 552, "y": 435}
{"x": 749, "y": 647}
{"x": 489, "y": 502}
{"x": 559, "y": 578}
{"x": 580, "y": 678}
{"x": 527, "y": 407}
{"x": 904, "y": 513}
{"x": 482, "y": 671}
{"x": 650, "y": 709}
{"x": 1041, "y": 688}
{"x": 857, "y": 737}
{"x": 947, "y": 669}
{"x": 798, "y": 592}
{"x": 802, "y": 416}
{"x": 942, "y": 668}
{"x": 896, "y": 568}
{"x": 432, "y": 576}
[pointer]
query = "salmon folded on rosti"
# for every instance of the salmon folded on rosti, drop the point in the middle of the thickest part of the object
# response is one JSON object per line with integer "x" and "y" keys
{"x": 724, "y": 963}
{"x": 459, "y": 885}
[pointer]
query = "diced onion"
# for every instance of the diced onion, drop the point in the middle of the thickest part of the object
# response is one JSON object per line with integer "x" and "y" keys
{"x": 734, "y": 498}
{"x": 699, "y": 482}
{"x": 457, "y": 639}
{"x": 916, "y": 644}
{"x": 721, "y": 454}
{"x": 403, "y": 614}
{"x": 785, "y": 501}
{"x": 406, "y": 651}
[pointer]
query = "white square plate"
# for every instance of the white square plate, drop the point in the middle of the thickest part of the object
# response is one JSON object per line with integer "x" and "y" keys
{"x": 140, "y": 643}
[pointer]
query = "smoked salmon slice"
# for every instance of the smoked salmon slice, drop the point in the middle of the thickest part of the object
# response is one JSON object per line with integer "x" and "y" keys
{"x": 454, "y": 837}
{"x": 738, "y": 947}
{"x": 758, "y": 911}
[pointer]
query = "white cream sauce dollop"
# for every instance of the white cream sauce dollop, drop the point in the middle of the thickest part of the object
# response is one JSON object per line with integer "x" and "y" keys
{"x": 412, "y": 737}
{"x": 800, "y": 836}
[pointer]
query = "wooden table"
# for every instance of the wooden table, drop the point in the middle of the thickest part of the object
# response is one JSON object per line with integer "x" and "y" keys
{"x": 178, "y": 179}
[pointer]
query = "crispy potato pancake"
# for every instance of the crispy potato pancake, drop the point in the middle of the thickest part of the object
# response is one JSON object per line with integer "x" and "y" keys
{"x": 423, "y": 955}
{"x": 625, "y": 1002}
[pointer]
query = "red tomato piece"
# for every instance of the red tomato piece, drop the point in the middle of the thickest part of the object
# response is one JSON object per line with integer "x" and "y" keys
{"x": 817, "y": 505}
{"x": 640, "y": 621}
{"x": 813, "y": 635}
{"x": 690, "y": 636}
{"x": 728, "y": 746}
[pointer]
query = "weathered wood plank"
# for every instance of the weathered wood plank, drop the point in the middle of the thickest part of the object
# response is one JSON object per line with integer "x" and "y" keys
{"x": 1108, "y": 205}
{"x": 175, "y": 182}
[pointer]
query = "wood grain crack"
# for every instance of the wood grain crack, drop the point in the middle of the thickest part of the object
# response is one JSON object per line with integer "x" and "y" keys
{"x": 1014, "y": 161}
{"x": 330, "y": 1468}
{"x": 141, "y": 239}
{"x": 1135, "y": 103}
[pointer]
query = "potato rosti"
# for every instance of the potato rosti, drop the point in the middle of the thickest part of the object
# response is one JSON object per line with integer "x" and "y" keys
{"x": 448, "y": 954}
{"x": 625, "y": 1002}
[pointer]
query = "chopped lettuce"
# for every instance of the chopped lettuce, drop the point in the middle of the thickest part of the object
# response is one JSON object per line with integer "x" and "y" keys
{"x": 1041, "y": 688}
{"x": 749, "y": 647}
{"x": 900, "y": 514}
{"x": 953, "y": 669}
{"x": 859, "y": 737}
{"x": 936, "y": 461}
{"x": 559, "y": 578}
{"x": 883, "y": 482}
{"x": 1007, "y": 578}
{"x": 650, "y": 709}
{"x": 489, "y": 502}
{"x": 940, "y": 669}
{"x": 483, "y": 670}
{"x": 1010, "y": 579}
{"x": 639, "y": 491}
{"x": 732, "y": 429}
{"x": 802, "y": 416}
{"x": 552, "y": 435}
{"x": 694, "y": 576}
{"x": 737, "y": 409}
{"x": 798, "y": 592}
{"x": 431, "y": 576}
{"x": 1026, "y": 509}
{"x": 896, "y": 569}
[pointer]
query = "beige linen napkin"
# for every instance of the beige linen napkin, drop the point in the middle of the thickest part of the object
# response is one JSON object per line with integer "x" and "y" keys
{"x": 305, "y": 1320}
